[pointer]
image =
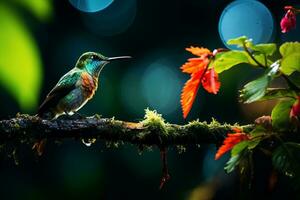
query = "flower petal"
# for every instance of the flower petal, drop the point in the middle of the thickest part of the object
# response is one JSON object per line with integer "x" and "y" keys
{"x": 288, "y": 22}
{"x": 210, "y": 81}
{"x": 295, "y": 111}
{"x": 194, "y": 65}
{"x": 230, "y": 141}
{"x": 189, "y": 92}
{"x": 199, "y": 51}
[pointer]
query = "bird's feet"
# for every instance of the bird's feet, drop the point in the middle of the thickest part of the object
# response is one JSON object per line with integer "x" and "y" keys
{"x": 74, "y": 116}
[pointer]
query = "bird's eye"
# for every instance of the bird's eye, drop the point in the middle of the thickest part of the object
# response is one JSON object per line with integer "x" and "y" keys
{"x": 92, "y": 57}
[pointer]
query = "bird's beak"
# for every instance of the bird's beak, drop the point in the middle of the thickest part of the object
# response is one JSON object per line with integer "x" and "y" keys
{"x": 118, "y": 58}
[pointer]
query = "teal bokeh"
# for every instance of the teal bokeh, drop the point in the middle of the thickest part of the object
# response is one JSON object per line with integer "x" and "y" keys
{"x": 246, "y": 17}
{"x": 90, "y": 5}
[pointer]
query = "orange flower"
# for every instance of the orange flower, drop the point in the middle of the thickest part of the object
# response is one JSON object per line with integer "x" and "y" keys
{"x": 200, "y": 74}
{"x": 230, "y": 141}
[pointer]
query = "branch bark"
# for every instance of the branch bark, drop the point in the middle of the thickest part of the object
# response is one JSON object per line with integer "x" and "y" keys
{"x": 151, "y": 131}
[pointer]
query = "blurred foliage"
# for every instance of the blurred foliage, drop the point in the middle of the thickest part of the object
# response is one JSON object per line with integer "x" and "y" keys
{"x": 204, "y": 191}
{"x": 20, "y": 62}
{"x": 41, "y": 9}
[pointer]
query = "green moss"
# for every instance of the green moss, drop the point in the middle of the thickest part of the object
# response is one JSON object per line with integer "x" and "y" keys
{"x": 214, "y": 123}
{"x": 25, "y": 116}
{"x": 141, "y": 135}
{"x": 97, "y": 116}
{"x": 196, "y": 125}
{"x": 113, "y": 145}
{"x": 154, "y": 121}
{"x": 181, "y": 149}
{"x": 117, "y": 125}
{"x": 16, "y": 125}
{"x": 143, "y": 148}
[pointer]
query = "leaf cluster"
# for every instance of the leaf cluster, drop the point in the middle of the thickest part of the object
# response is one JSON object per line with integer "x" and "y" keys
{"x": 281, "y": 62}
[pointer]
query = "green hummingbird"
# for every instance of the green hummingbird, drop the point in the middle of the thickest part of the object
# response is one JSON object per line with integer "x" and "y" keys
{"x": 76, "y": 87}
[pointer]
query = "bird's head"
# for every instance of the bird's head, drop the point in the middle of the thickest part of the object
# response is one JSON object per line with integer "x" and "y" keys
{"x": 94, "y": 62}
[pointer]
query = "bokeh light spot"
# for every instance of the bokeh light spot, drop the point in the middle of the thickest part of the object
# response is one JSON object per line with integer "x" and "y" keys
{"x": 249, "y": 18}
{"x": 90, "y": 5}
{"x": 161, "y": 87}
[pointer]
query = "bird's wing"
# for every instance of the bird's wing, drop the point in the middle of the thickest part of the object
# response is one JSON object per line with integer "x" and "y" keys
{"x": 65, "y": 85}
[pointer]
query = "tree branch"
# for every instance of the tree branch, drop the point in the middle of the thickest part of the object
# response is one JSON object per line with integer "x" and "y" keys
{"x": 151, "y": 131}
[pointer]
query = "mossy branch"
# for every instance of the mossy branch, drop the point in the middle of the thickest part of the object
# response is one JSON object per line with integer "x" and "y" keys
{"x": 153, "y": 130}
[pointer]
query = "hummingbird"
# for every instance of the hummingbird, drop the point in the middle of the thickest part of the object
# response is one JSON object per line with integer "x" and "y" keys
{"x": 76, "y": 87}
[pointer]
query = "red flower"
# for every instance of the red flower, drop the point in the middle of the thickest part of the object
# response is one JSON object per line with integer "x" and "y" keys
{"x": 288, "y": 22}
{"x": 200, "y": 74}
{"x": 295, "y": 111}
{"x": 231, "y": 140}
{"x": 210, "y": 81}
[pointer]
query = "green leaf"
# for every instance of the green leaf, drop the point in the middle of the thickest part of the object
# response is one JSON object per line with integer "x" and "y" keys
{"x": 256, "y": 136}
{"x": 237, "y": 159}
{"x": 254, "y": 142}
{"x": 259, "y": 57}
{"x": 255, "y": 90}
{"x": 277, "y": 93}
{"x": 267, "y": 49}
{"x": 290, "y": 63}
{"x": 259, "y": 51}
{"x": 232, "y": 163}
{"x": 281, "y": 115}
{"x": 258, "y": 131}
{"x": 226, "y": 60}
{"x": 239, "y": 147}
{"x": 237, "y": 41}
{"x": 289, "y": 48}
{"x": 286, "y": 159}
{"x": 290, "y": 52}
{"x": 249, "y": 144}
{"x": 20, "y": 64}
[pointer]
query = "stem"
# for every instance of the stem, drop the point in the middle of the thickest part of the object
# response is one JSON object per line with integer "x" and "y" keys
{"x": 165, "y": 171}
{"x": 297, "y": 11}
{"x": 290, "y": 83}
{"x": 252, "y": 57}
{"x": 266, "y": 61}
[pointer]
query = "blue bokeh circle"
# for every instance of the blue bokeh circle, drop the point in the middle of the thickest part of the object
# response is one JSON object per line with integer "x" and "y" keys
{"x": 246, "y": 17}
{"x": 91, "y": 5}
